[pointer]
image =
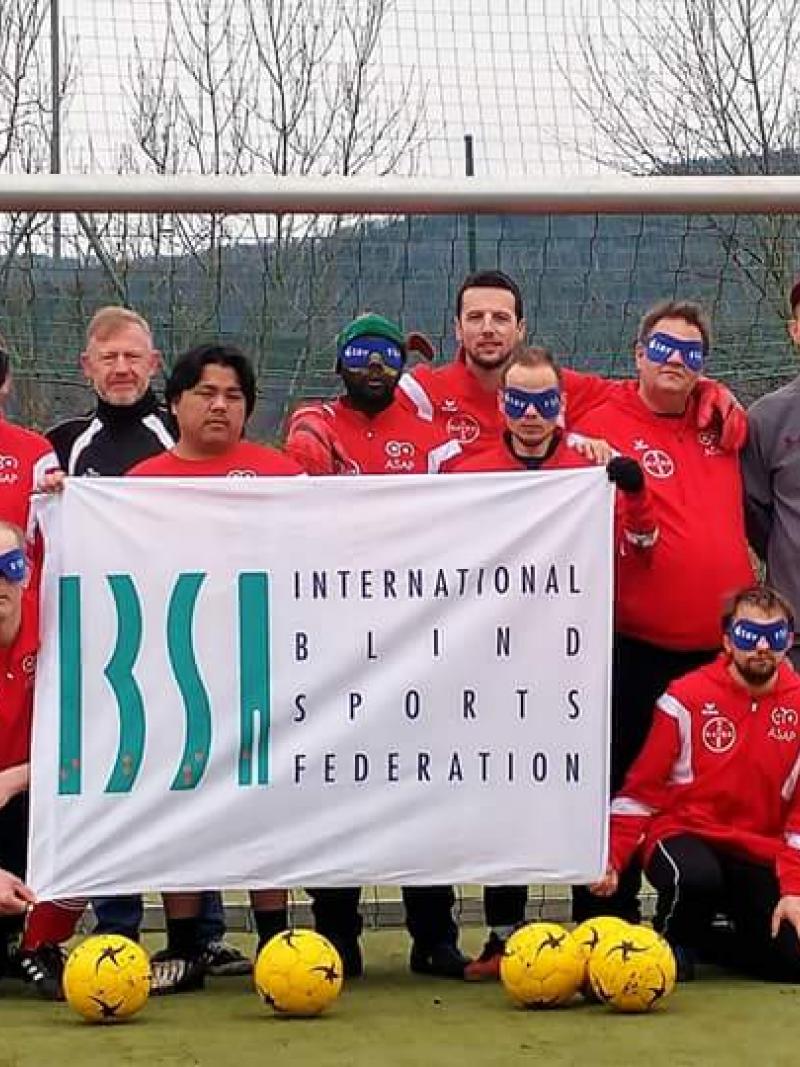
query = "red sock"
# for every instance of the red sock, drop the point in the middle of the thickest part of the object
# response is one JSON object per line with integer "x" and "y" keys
{"x": 53, "y": 922}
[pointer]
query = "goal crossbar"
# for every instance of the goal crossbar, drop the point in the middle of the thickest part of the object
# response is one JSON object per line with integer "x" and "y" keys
{"x": 619, "y": 195}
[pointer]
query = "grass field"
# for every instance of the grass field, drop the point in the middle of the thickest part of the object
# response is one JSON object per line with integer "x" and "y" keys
{"x": 391, "y": 1017}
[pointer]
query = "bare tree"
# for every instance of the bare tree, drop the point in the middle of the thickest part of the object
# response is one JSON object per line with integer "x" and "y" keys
{"x": 25, "y": 137}
{"x": 290, "y": 87}
{"x": 700, "y": 87}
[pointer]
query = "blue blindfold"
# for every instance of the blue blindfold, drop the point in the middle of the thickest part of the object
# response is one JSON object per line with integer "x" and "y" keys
{"x": 662, "y": 346}
{"x": 12, "y": 565}
{"x": 746, "y": 634}
{"x": 546, "y": 403}
{"x": 357, "y": 354}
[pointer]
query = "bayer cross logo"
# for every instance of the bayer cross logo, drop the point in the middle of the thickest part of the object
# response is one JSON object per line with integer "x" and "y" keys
{"x": 657, "y": 463}
{"x": 463, "y": 428}
{"x": 719, "y": 734}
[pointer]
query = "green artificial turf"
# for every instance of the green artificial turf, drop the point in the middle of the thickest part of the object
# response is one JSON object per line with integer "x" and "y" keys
{"x": 391, "y": 1017}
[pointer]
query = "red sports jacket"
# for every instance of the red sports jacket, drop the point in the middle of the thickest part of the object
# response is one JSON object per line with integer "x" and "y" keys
{"x": 452, "y": 399}
{"x": 244, "y": 460}
{"x": 17, "y": 674}
{"x": 674, "y": 596}
{"x": 721, "y": 764}
{"x": 635, "y": 523}
{"x": 25, "y": 457}
{"x": 333, "y": 437}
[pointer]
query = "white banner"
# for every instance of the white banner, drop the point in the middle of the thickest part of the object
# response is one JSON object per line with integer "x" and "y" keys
{"x": 282, "y": 682}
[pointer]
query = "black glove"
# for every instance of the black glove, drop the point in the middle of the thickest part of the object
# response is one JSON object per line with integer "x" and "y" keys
{"x": 626, "y": 474}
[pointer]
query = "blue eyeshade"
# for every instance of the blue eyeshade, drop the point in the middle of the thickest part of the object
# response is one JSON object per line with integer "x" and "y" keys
{"x": 12, "y": 565}
{"x": 663, "y": 345}
{"x": 357, "y": 353}
{"x": 745, "y": 634}
{"x": 546, "y": 402}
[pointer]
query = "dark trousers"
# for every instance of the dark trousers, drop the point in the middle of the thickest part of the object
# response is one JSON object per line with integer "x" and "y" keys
{"x": 123, "y": 915}
{"x": 640, "y": 674}
{"x": 429, "y": 913}
{"x": 13, "y": 858}
{"x": 504, "y": 905}
{"x": 696, "y": 881}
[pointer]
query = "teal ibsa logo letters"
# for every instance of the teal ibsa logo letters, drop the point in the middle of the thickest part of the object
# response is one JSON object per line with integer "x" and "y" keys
{"x": 254, "y": 681}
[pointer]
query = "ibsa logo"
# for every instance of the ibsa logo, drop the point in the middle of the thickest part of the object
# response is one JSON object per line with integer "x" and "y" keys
{"x": 171, "y": 620}
{"x": 9, "y": 470}
{"x": 399, "y": 457}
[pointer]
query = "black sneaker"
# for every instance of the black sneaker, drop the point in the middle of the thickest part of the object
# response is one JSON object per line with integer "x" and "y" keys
{"x": 175, "y": 974}
{"x": 443, "y": 960}
{"x": 43, "y": 968}
{"x": 224, "y": 961}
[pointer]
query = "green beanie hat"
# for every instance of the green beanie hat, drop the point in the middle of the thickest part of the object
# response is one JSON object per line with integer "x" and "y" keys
{"x": 371, "y": 326}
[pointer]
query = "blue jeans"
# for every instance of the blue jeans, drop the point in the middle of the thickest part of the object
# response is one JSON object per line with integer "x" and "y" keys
{"x": 123, "y": 915}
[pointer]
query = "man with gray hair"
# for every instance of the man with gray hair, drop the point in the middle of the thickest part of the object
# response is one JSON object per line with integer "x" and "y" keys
{"x": 128, "y": 425}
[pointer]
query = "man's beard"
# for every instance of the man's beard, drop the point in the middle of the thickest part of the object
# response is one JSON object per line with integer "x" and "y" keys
{"x": 757, "y": 672}
{"x": 496, "y": 361}
{"x": 365, "y": 399}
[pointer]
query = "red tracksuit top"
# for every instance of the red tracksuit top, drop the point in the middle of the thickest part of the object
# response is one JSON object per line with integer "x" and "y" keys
{"x": 721, "y": 764}
{"x": 674, "y": 596}
{"x": 244, "y": 460}
{"x": 17, "y": 673}
{"x": 25, "y": 457}
{"x": 452, "y": 399}
{"x": 634, "y": 521}
{"x": 334, "y": 437}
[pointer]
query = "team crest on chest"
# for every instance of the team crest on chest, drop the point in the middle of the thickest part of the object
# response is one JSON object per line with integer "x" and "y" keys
{"x": 463, "y": 428}
{"x": 658, "y": 463}
{"x": 655, "y": 461}
{"x": 719, "y": 734}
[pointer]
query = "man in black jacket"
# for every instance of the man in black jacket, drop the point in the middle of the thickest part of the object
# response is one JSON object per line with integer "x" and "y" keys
{"x": 129, "y": 424}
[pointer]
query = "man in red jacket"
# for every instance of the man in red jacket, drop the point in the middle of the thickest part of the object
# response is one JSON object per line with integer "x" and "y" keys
{"x": 19, "y": 643}
{"x": 713, "y": 802}
{"x": 368, "y": 430}
{"x": 211, "y": 392}
{"x": 531, "y": 402}
{"x": 25, "y": 457}
{"x": 667, "y": 605}
{"x": 461, "y": 397}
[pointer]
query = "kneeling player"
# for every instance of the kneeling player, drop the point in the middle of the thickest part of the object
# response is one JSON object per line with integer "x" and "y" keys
{"x": 712, "y": 802}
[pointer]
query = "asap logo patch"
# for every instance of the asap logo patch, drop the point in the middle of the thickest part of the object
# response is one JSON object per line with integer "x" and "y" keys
{"x": 399, "y": 457}
{"x": 783, "y": 724}
{"x": 9, "y": 470}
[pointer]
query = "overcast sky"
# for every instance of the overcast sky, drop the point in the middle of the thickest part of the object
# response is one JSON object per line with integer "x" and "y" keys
{"x": 492, "y": 68}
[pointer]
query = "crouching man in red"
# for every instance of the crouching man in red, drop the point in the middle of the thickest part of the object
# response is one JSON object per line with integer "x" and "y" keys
{"x": 713, "y": 801}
